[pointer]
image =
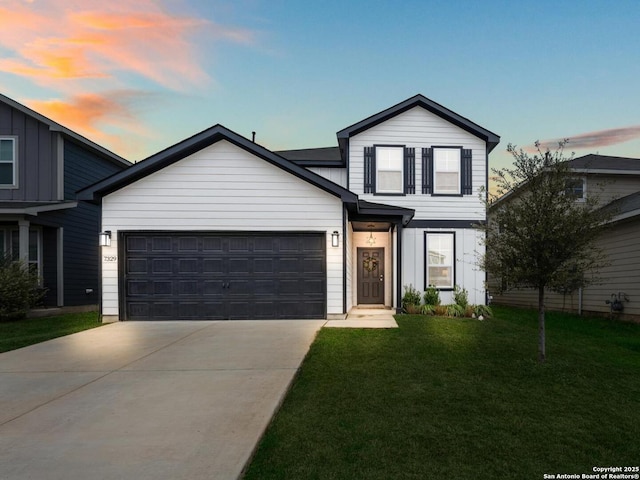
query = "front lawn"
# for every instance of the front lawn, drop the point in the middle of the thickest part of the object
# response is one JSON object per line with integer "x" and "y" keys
{"x": 21, "y": 333}
{"x": 443, "y": 398}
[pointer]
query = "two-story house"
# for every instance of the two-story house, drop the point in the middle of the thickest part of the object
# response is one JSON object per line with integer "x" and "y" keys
{"x": 219, "y": 227}
{"x": 42, "y": 165}
{"x": 615, "y": 182}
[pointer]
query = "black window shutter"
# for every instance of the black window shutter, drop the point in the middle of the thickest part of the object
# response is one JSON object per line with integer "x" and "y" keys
{"x": 409, "y": 170}
{"x": 369, "y": 169}
{"x": 427, "y": 170}
{"x": 465, "y": 173}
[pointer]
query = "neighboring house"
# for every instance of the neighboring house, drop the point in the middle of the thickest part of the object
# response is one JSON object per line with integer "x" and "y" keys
{"x": 219, "y": 227}
{"x": 42, "y": 165}
{"x": 616, "y": 181}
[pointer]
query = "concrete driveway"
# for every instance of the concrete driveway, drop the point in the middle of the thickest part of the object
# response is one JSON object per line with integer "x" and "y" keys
{"x": 155, "y": 400}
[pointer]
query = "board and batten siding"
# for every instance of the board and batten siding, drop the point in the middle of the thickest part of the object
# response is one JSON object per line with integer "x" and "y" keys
{"x": 620, "y": 243}
{"x": 37, "y": 148}
{"x": 468, "y": 274}
{"x": 222, "y": 188}
{"x": 419, "y": 128}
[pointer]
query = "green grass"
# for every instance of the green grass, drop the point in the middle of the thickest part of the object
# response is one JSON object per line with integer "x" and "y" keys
{"x": 460, "y": 399}
{"x": 21, "y": 333}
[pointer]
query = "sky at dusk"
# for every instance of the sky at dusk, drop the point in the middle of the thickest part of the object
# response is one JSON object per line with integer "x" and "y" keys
{"x": 139, "y": 76}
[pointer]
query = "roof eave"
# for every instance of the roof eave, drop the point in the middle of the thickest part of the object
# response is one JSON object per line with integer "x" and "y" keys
{"x": 489, "y": 137}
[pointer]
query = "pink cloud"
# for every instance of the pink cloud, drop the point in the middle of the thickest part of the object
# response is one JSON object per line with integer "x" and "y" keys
{"x": 54, "y": 40}
{"x": 94, "y": 115}
{"x": 93, "y": 52}
{"x": 593, "y": 140}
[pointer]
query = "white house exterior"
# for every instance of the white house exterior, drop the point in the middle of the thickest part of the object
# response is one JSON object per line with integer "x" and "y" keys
{"x": 218, "y": 227}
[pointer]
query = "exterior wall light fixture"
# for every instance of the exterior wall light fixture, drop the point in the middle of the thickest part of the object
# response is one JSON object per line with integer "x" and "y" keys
{"x": 105, "y": 238}
{"x": 335, "y": 239}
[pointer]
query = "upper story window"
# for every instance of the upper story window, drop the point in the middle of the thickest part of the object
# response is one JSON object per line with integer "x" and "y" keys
{"x": 577, "y": 188}
{"x": 389, "y": 170}
{"x": 446, "y": 170}
{"x": 7, "y": 162}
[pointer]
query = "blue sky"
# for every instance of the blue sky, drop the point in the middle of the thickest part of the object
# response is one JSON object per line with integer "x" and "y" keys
{"x": 137, "y": 77}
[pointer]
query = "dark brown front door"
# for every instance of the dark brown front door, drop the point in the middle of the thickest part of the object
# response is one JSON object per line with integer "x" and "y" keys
{"x": 371, "y": 276}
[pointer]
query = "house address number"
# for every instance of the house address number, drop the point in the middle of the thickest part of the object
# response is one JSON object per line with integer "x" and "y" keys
{"x": 109, "y": 258}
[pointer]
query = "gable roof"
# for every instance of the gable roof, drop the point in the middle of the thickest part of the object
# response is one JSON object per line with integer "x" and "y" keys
{"x": 197, "y": 142}
{"x": 418, "y": 101}
{"x": 70, "y": 134}
{"x": 605, "y": 164}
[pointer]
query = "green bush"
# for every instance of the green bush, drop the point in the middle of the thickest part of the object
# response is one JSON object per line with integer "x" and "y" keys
{"x": 483, "y": 310}
{"x": 432, "y": 296}
{"x": 427, "y": 309}
{"x": 461, "y": 296}
{"x": 411, "y": 298}
{"x": 455, "y": 310}
{"x": 19, "y": 289}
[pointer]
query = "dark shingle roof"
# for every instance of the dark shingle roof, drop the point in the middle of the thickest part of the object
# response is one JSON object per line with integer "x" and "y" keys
{"x": 625, "y": 205}
{"x": 605, "y": 162}
{"x": 314, "y": 157}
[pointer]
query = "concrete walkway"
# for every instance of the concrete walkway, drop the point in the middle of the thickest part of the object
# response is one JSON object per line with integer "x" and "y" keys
{"x": 156, "y": 400}
{"x": 365, "y": 318}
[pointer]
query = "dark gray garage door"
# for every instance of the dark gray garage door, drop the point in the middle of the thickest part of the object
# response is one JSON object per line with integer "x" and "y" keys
{"x": 219, "y": 276}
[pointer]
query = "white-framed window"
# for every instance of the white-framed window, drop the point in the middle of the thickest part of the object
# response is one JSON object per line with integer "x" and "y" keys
{"x": 446, "y": 171}
{"x": 8, "y": 162}
{"x": 440, "y": 259}
{"x": 577, "y": 188}
{"x": 389, "y": 169}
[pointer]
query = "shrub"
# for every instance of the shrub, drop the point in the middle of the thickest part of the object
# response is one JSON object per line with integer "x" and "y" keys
{"x": 427, "y": 309}
{"x": 483, "y": 310}
{"x": 461, "y": 297}
{"x": 440, "y": 310}
{"x": 411, "y": 297}
{"x": 19, "y": 289}
{"x": 432, "y": 296}
{"x": 455, "y": 310}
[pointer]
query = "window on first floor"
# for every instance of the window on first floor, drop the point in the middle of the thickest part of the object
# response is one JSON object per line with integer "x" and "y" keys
{"x": 440, "y": 259}
{"x": 10, "y": 245}
{"x": 7, "y": 162}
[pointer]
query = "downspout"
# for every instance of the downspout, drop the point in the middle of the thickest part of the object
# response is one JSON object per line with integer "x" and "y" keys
{"x": 580, "y": 301}
{"x": 399, "y": 267}
{"x": 345, "y": 237}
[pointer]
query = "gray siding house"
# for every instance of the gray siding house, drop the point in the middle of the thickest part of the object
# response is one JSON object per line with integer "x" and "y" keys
{"x": 219, "y": 227}
{"x": 616, "y": 181}
{"x": 42, "y": 166}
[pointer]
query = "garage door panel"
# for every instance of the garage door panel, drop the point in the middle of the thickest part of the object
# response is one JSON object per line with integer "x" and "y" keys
{"x": 136, "y": 244}
{"x": 161, "y": 244}
{"x": 162, "y": 287}
{"x": 313, "y": 265}
{"x": 213, "y": 266}
{"x": 188, "y": 266}
{"x": 138, "y": 265}
{"x": 187, "y": 244}
{"x": 239, "y": 266}
{"x": 217, "y": 276}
